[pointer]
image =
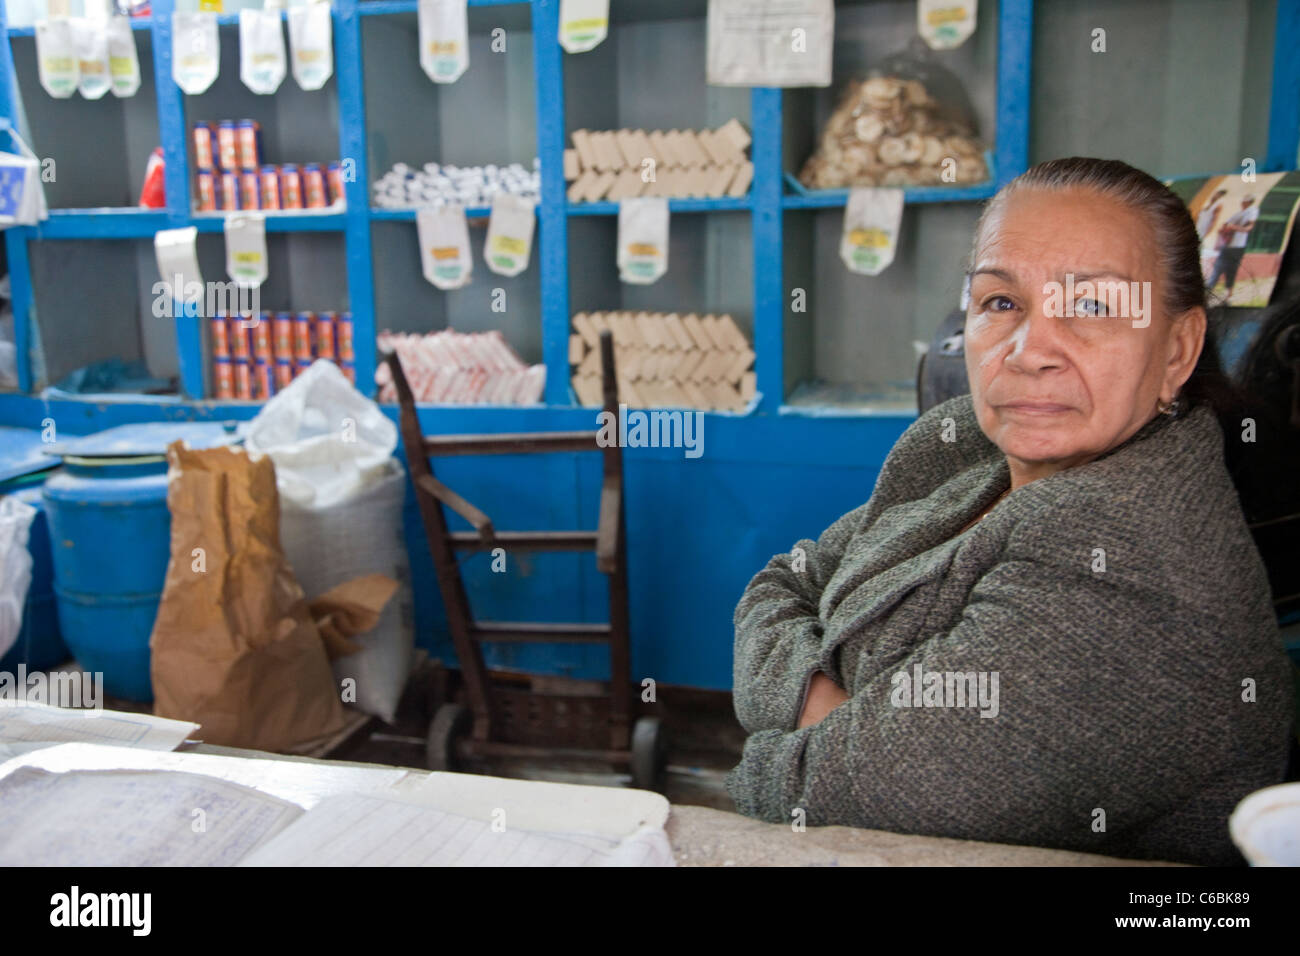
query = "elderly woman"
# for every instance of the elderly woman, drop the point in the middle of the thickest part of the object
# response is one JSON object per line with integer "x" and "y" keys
{"x": 1049, "y": 624}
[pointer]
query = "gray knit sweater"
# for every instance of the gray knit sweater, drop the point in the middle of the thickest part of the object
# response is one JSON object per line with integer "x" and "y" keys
{"x": 1093, "y": 666}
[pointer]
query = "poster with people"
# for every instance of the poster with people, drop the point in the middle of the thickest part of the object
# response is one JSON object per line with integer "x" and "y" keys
{"x": 1244, "y": 225}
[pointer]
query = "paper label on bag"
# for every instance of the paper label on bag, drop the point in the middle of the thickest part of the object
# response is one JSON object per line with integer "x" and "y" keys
{"x": 770, "y": 42}
{"x": 444, "y": 245}
{"x": 19, "y": 182}
{"x": 56, "y": 57}
{"x": 91, "y": 39}
{"x": 871, "y": 221}
{"x": 642, "y": 239}
{"x": 444, "y": 39}
{"x": 246, "y": 248}
{"x": 262, "y": 62}
{"x": 311, "y": 44}
{"x": 945, "y": 24}
{"x": 178, "y": 263}
{"x": 510, "y": 234}
{"x": 196, "y": 51}
{"x": 123, "y": 59}
{"x": 583, "y": 24}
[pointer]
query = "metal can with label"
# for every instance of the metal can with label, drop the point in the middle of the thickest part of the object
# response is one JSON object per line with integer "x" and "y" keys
{"x": 313, "y": 186}
{"x": 248, "y": 139}
{"x": 250, "y": 190}
{"x": 264, "y": 379}
{"x": 282, "y": 339}
{"x": 290, "y": 187}
{"x": 325, "y": 336}
{"x": 270, "y": 176}
{"x": 262, "y": 338}
{"x": 220, "y": 337}
{"x": 300, "y": 366}
{"x": 207, "y": 191}
{"x": 243, "y": 379}
{"x": 241, "y": 342}
{"x": 229, "y": 190}
{"x": 227, "y": 149}
{"x": 303, "y": 343}
{"x": 203, "y": 146}
{"x": 283, "y": 372}
{"x": 343, "y": 337}
{"x": 223, "y": 375}
{"x": 334, "y": 175}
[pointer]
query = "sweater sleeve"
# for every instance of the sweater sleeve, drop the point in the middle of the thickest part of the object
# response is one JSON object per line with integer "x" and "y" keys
{"x": 1090, "y": 710}
{"x": 779, "y": 631}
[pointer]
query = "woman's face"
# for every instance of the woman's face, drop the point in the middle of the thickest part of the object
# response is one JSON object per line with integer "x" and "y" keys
{"x": 1054, "y": 389}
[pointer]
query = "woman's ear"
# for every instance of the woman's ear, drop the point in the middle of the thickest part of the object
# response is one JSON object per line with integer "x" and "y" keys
{"x": 1186, "y": 339}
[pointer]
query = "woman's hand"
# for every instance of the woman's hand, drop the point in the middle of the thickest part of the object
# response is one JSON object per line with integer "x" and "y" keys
{"x": 824, "y": 695}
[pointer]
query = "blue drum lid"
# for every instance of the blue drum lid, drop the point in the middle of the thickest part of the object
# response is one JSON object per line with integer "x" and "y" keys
{"x": 148, "y": 440}
{"x": 22, "y": 453}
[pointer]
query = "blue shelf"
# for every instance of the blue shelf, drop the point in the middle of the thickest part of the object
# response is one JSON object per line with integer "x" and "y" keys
{"x": 137, "y": 23}
{"x": 368, "y": 8}
{"x": 278, "y": 222}
{"x": 408, "y": 215}
{"x": 723, "y": 204}
{"x": 107, "y": 223}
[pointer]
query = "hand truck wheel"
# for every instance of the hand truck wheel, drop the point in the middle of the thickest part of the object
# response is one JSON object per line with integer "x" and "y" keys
{"x": 451, "y": 721}
{"x": 649, "y": 754}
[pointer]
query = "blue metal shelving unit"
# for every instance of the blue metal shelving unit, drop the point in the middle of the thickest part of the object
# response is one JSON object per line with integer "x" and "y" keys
{"x": 751, "y": 461}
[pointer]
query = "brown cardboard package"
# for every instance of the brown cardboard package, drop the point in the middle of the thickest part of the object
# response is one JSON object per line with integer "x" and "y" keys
{"x": 235, "y": 646}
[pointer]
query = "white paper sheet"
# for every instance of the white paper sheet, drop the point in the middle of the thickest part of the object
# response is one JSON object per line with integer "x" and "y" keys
{"x": 129, "y": 818}
{"x": 369, "y": 830}
{"x": 305, "y": 783}
{"x": 26, "y": 723}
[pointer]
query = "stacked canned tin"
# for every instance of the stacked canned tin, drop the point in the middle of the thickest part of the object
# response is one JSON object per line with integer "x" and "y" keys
{"x": 229, "y": 173}
{"x": 252, "y": 359}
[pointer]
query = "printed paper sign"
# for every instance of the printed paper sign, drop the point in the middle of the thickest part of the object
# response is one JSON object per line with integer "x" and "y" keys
{"x": 311, "y": 44}
{"x": 246, "y": 249}
{"x": 510, "y": 234}
{"x": 261, "y": 50}
{"x": 945, "y": 24}
{"x": 444, "y": 245}
{"x": 123, "y": 60}
{"x": 642, "y": 239}
{"x": 871, "y": 221}
{"x": 444, "y": 39}
{"x": 56, "y": 57}
{"x": 196, "y": 51}
{"x": 770, "y": 42}
{"x": 584, "y": 24}
{"x": 178, "y": 262}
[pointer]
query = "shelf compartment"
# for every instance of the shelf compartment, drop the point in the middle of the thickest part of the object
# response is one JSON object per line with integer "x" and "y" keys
{"x": 488, "y": 116}
{"x": 867, "y": 35}
{"x": 100, "y": 148}
{"x": 851, "y": 350}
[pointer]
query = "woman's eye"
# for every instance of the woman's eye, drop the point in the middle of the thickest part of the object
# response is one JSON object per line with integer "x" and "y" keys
{"x": 1089, "y": 307}
{"x": 993, "y": 304}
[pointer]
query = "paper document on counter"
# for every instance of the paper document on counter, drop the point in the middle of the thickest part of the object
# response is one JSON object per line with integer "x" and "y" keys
{"x": 369, "y": 830}
{"x": 27, "y": 722}
{"x": 132, "y": 818}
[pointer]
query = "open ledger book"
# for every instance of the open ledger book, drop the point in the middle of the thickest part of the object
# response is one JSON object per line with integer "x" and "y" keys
{"x": 89, "y": 809}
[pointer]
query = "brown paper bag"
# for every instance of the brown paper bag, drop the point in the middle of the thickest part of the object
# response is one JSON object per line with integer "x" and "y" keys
{"x": 234, "y": 646}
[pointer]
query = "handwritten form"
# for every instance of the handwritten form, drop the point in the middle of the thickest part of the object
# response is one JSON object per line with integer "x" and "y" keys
{"x": 370, "y": 830}
{"x": 24, "y": 723}
{"x": 132, "y": 818}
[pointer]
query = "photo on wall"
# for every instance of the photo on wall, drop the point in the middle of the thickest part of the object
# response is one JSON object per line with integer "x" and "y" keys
{"x": 1244, "y": 228}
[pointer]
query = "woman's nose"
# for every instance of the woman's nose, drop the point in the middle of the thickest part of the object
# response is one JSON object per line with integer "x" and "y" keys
{"x": 1036, "y": 339}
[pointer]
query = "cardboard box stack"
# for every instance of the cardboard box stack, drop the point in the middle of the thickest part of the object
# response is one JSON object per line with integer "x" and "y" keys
{"x": 664, "y": 360}
{"x": 612, "y": 165}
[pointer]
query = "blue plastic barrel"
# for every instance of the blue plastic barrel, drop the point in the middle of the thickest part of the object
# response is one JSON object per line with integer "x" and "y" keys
{"x": 23, "y": 468}
{"x": 111, "y": 532}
